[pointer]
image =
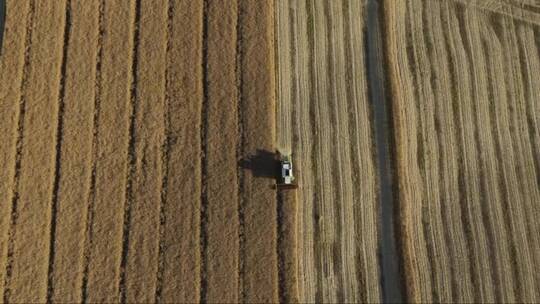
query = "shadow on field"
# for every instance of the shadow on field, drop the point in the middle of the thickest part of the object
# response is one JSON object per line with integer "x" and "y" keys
{"x": 262, "y": 164}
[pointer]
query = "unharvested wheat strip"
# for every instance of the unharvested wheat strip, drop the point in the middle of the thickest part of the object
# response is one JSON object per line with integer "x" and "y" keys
{"x": 350, "y": 288}
{"x": 436, "y": 239}
{"x": 511, "y": 160}
{"x": 222, "y": 224}
{"x": 324, "y": 129}
{"x": 284, "y": 84}
{"x": 449, "y": 143}
{"x": 28, "y": 282}
{"x": 365, "y": 207}
{"x": 76, "y": 153}
{"x": 303, "y": 151}
{"x": 11, "y": 76}
{"x": 471, "y": 177}
{"x": 181, "y": 207}
{"x": 488, "y": 159}
{"x": 111, "y": 163}
{"x": 258, "y": 112}
{"x": 405, "y": 121}
{"x": 145, "y": 216}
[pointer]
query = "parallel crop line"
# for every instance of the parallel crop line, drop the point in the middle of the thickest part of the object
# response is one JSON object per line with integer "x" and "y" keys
{"x": 331, "y": 104}
{"x": 448, "y": 142}
{"x": 531, "y": 84}
{"x": 58, "y": 150}
{"x": 345, "y": 205}
{"x": 18, "y": 147}
{"x": 473, "y": 181}
{"x": 491, "y": 215}
{"x": 302, "y": 40}
{"x": 505, "y": 9}
{"x": 312, "y": 141}
{"x": 433, "y": 225}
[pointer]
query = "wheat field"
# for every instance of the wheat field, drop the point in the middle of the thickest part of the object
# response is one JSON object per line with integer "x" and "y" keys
{"x": 466, "y": 108}
{"x": 324, "y": 120}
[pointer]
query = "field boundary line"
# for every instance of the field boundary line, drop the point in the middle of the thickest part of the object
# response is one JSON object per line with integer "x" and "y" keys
{"x": 58, "y": 150}
{"x": 18, "y": 150}
{"x": 131, "y": 153}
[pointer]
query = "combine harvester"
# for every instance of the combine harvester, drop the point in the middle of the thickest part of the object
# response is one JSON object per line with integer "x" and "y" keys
{"x": 287, "y": 178}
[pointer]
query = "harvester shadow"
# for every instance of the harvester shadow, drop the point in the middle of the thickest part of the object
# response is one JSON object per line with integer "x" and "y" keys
{"x": 263, "y": 164}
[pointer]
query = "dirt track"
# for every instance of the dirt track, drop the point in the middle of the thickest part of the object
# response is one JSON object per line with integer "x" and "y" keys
{"x": 125, "y": 124}
{"x": 324, "y": 117}
{"x": 466, "y": 109}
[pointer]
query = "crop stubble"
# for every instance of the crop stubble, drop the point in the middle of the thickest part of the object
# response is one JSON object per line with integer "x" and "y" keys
{"x": 324, "y": 117}
{"x": 462, "y": 86}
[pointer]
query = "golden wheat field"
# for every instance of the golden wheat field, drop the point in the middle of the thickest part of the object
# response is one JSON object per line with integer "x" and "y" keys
{"x": 140, "y": 146}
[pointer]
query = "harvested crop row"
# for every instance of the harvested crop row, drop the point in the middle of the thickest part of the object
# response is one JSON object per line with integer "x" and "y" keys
{"x": 465, "y": 151}
{"x": 323, "y": 102}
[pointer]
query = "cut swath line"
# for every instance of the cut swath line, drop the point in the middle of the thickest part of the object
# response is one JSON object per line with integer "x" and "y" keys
{"x": 18, "y": 154}
{"x": 240, "y": 152}
{"x": 58, "y": 152}
{"x": 131, "y": 154}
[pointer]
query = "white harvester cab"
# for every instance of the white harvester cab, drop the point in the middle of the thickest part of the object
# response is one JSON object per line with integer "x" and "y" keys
{"x": 287, "y": 176}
